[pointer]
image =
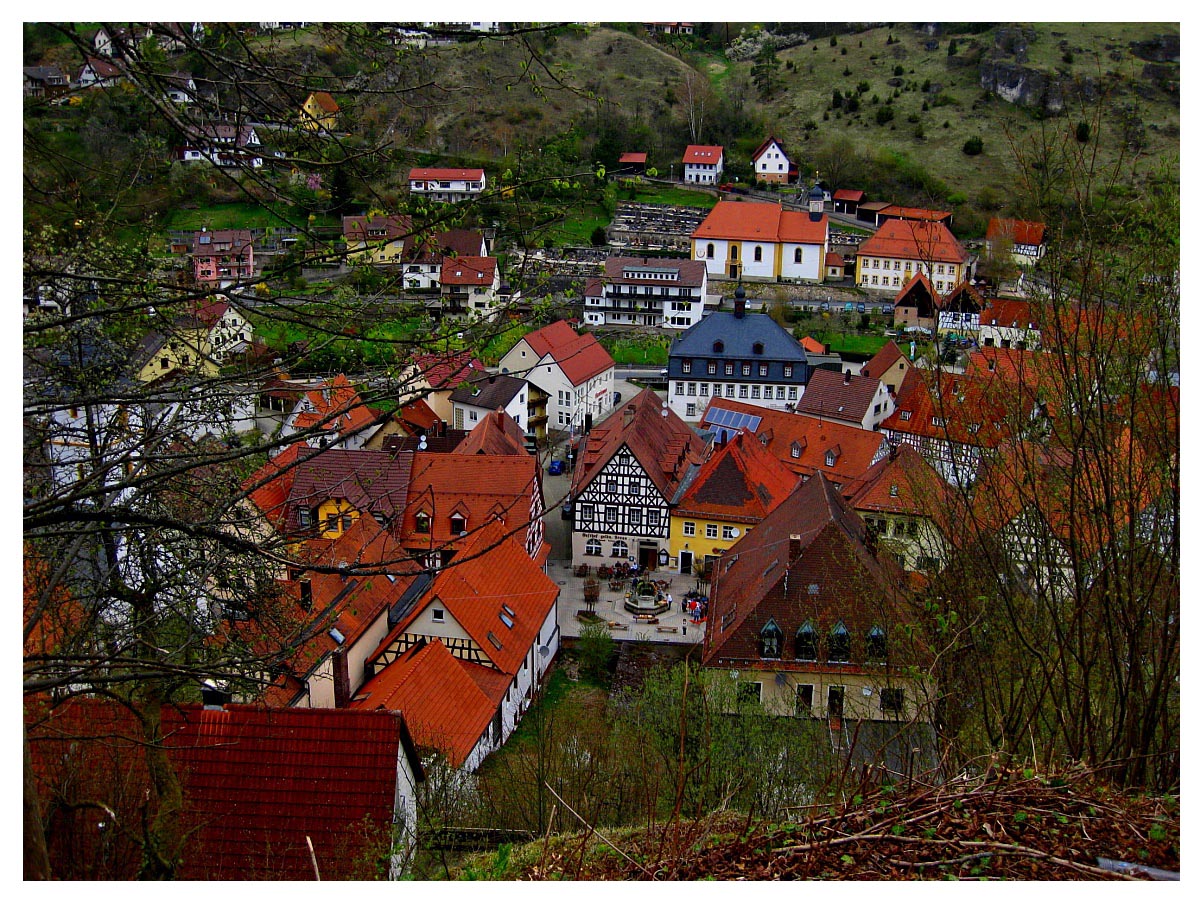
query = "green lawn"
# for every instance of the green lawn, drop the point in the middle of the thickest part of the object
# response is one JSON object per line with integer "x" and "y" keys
{"x": 671, "y": 196}
{"x": 240, "y": 215}
{"x": 853, "y": 343}
{"x": 650, "y": 350}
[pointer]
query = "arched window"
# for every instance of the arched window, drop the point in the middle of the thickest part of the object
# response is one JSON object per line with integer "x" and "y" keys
{"x": 709, "y": 251}
{"x": 770, "y": 641}
{"x": 718, "y": 346}
{"x": 758, "y": 347}
{"x": 798, "y": 256}
{"x": 592, "y": 548}
{"x": 839, "y": 644}
{"x": 758, "y": 253}
{"x": 620, "y": 549}
{"x": 733, "y": 251}
{"x": 876, "y": 645}
{"x": 806, "y": 642}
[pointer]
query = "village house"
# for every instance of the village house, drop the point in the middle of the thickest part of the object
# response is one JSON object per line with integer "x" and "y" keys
{"x": 44, "y": 82}
{"x": 662, "y": 293}
{"x": 889, "y": 366}
{"x": 469, "y": 287}
{"x": 99, "y": 73}
{"x": 433, "y": 377}
{"x": 473, "y": 400}
{"x": 468, "y": 650}
{"x": 1025, "y": 242}
{"x": 379, "y": 240}
{"x": 763, "y": 241}
{"x": 846, "y": 201}
{"x": 811, "y": 622}
{"x": 224, "y": 257}
{"x": 916, "y": 306}
{"x": 772, "y": 164}
{"x": 319, "y": 112}
{"x": 222, "y": 144}
{"x": 729, "y": 494}
{"x": 447, "y": 185}
{"x": 959, "y": 313}
{"x": 424, "y": 254}
{"x": 1009, "y": 323}
{"x": 805, "y": 445}
{"x": 730, "y": 354}
{"x": 703, "y": 164}
{"x": 626, "y": 481}
{"x": 858, "y": 400}
{"x": 573, "y": 371}
{"x": 330, "y": 491}
{"x": 330, "y": 413}
{"x": 904, "y": 248}
{"x": 201, "y": 341}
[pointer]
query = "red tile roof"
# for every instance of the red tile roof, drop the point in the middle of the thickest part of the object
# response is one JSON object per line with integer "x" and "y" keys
{"x": 812, "y": 345}
{"x": 269, "y": 487}
{"x": 1008, "y": 314}
{"x": 497, "y": 435}
{"x": 428, "y": 248}
{"x": 919, "y": 293}
{"x": 364, "y": 228}
{"x": 372, "y": 481}
{"x": 633, "y": 158}
{"x": 664, "y": 445}
{"x": 324, "y": 100}
{"x": 702, "y": 153}
{"x": 334, "y": 406}
{"x": 902, "y": 483}
{"x": 762, "y": 148}
{"x": 847, "y": 194}
{"x": 444, "y": 706}
{"x": 740, "y": 482}
{"x": 834, "y": 259}
{"x": 889, "y": 354}
{"x": 834, "y": 395}
{"x": 691, "y": 271}
{"x": 426, "y": 174}
{"x": 477, "y": 487}
{"x": 916, "y": 240}
{"x": 767, "y": 222}
{"x": 1017, "y": 231}
{"x": 580, "y": 356}
{"x": 916, "y": 213}
{"x": 257, "y": 783}
{"x": 445, "y": 371}
{"x": 801, "y": 442}
{"x": 468, "y": 270}
{"x": 972, "y": 411}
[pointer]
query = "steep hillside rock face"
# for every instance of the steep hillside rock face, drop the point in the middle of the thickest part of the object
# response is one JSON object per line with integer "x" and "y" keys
{"x": 1023, "y": 85}
{"x": 1162, "y": 49}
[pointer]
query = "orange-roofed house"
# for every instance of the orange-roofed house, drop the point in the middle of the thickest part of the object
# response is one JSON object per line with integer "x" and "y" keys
{"x": 469, "y": 287}
{"x": 1009, "y": 323}
{"x": 1025, "y": 241}
{"x": 703, "y": 164}
{"x": 573, "y": 371}
{"x": 812, "y": 345}
{"x": 433, "y": 377}
{"x": 731, "y": 492}
{"x": 904, "y": 248}
{"x": 959, "y": 312}
{"x": 805, "y": 444}
{"x": 889, "y": 365}
{"x": 763, "y": 241}
{"x": 319, "y": 112}
{"x": 626, "y": 482}
{"x": 485, "y": 628}
{"x": 331, "y": 414}
{"x": 447, "y": 185}
{"x": 452, "y": 496}
{"x": 905, "y": 505}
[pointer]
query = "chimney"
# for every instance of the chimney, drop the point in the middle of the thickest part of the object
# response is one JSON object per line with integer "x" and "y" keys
{"x": 341, "y": 679}
{"x": 629, "y": 413}
{"x": 846, "y": 377}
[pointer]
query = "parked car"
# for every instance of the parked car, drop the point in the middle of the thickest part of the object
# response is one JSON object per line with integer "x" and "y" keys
{"x": 849, "y": 307}
{"x": 862, "y": 307}
{"x": 887, "y": 309}
{"x": 825, "y": 306}
{"x": 568, "y": 509}
{"x": 556, "y": 467}
{"x": 616, "y": 398}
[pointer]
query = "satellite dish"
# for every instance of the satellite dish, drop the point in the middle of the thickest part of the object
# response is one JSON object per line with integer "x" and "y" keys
{"x": 544, "y": 651}
{"x": 736, "y": 532}
{"x": 423, "y": 443}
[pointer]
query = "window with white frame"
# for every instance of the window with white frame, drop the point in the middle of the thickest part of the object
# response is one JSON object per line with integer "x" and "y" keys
{"x": 710, "y": 531}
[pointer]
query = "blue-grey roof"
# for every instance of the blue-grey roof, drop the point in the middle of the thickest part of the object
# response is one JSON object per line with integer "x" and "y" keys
{"x": 739, "y": 337}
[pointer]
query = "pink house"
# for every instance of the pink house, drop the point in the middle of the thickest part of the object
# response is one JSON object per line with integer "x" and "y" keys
{"x": 222, "y": 256}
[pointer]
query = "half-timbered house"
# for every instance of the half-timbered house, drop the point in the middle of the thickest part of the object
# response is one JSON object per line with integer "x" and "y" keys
{"x": 629, "y": 476}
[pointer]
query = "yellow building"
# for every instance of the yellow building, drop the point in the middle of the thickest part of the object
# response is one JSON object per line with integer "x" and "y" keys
{"x": 319, "y": 112}
{"x": 735, "y": 488}
{"x": 180, "y": 350}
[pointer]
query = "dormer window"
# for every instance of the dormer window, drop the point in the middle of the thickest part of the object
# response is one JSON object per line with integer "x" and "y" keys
{"x": 422, "y": 523}
{"x": 894, "y": 490}
{"x": 758, "y": 348}
{"x": 718, "y": 346}
{"x": 458, "y": 524}
{"x": 839, "y": 644}
{"x": 797, "y": 449}
{"x": 806, "y": 642}
{"x": 770, "y": 641}
{"x": 876, "y": 645}
{"x": 905, "y": 415}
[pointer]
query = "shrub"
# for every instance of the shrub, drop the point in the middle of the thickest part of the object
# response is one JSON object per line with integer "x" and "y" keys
{"x": 1083, "y": 132}
{"x": 952, "y": 50}
{"x": 1068, "y": 57}
{"x": 846, "y": 72}
{"x": 595, "y": 649}
{"x": 973, "y": 146}
{"x": 884, "y": 114}
{"x": 898, "y": 71}
{"x": 833, "y": 41}
{"x": 599, "y": 237}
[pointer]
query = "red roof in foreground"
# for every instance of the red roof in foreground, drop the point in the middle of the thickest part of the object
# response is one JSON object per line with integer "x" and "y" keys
{"x": 256, "y": 783}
